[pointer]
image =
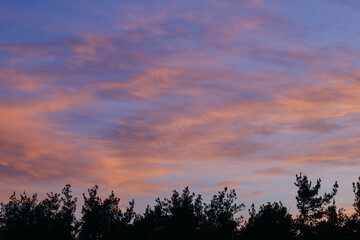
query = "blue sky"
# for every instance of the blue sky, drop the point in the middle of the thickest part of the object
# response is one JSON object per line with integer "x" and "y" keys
{"x": 149, "y": 96}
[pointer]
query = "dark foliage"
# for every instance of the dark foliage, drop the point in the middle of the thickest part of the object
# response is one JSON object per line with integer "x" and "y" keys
{"x": 221, "y": 222}
{"x": 176, "y": 218}
{"x": 272, "y": 221}
{"x": 103, "y": 219}
{"x": 28, "y": 218}
{"x": 311, "y": 206}
{"x": 182, "y": 216}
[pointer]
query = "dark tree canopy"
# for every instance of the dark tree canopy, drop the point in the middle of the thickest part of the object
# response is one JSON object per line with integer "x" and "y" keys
{"x": 28, "y": 218}
{"x": 311, "y": 206}
{"x": 272, "y": 221}
{"x": 103, "y": 219}
{"x": 220, "y": 215}
{"x": 184, "y": 215}
{"x": 356, "y": 190}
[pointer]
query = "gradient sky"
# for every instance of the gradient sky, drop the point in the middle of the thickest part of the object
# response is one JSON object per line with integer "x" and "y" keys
{"x": 144, "y": 97}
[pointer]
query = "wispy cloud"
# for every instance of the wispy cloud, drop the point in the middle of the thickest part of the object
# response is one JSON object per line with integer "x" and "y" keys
{"x": 138, "y": 96}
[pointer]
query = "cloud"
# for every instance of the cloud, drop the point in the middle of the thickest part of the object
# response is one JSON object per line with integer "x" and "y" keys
{"x": 160, "y": 92}
{"x": 255, "y": 194}
{"x": 229, "y": 185}
{"x": 272, "y": 171}
{"x": 318, "y": 126}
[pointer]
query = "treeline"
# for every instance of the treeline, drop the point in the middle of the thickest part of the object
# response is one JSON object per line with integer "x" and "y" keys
{"x": 183, "y": 216}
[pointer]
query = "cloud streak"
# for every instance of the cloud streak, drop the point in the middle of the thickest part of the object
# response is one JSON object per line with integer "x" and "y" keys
{"x": 156, "y": 92}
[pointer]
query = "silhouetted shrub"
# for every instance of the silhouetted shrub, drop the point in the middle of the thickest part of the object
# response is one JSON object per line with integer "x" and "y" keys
{"x": 103, "y": 219}
{"x": 28, "y": 218}
{"x": 272, "y": 221}
{"x": 182, "y": 216}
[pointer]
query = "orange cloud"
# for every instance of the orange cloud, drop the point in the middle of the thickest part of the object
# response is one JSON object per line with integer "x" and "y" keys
{"x": 177, "y": 97}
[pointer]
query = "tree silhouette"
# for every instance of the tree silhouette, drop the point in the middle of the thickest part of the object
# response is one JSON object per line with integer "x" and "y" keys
{"x": 311, "y": 206}
{"x": 103, "y": 219}
{"x": 27, "y": 217}
{"x": 221, "y": 222}
{"x": 185, "y": 216}
{"x": 182, "y": 216}
{"x": 176, "y": 218}
{"x": 66, "y": 216}
{"x": 333, "y": 226}
{"x": 272, "y": 221}
{"x": 183, "y": 221}
{"x": 356, "y": 190}
{"x": 352, "y": 225}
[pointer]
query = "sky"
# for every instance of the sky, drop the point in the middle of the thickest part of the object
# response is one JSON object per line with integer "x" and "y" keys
{"x": 143, "y": 97}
